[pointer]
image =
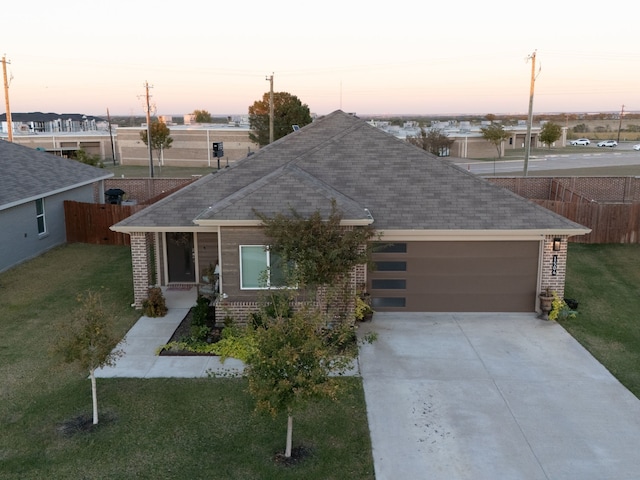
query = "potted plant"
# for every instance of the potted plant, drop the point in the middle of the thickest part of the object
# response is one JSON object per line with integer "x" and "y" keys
{"x": 561, "y": 310}
{"x": 546, "y": 303}
{"x": 363, "y": 311}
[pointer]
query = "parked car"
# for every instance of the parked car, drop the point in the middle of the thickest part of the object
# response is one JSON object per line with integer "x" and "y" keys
{"x": 580, "y": 141}
{"x": 636, "y": 147}
{"x": 608, "y": 143}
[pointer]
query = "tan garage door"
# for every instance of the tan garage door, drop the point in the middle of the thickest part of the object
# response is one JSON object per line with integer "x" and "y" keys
{"x": 455, "y": 276}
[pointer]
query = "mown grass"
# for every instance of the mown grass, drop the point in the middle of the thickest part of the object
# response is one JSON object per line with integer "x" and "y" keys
{"x": 138, "y": 171}
{"x": 152, "y": 428}
{"x": 605, "y": 279}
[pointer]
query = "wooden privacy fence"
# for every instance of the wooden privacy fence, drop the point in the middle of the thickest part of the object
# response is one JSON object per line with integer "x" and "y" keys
{"x": 90, "y": 222}
{"x": 609, "y": 222}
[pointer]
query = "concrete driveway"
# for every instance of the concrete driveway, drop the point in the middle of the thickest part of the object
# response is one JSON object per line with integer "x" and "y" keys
{"x": 493, "y": 396}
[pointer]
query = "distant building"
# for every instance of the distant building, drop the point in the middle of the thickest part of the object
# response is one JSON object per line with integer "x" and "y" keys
{"x": 38, "y": 122}
{"x": 191, "y": 147}
{"x": 192, "y": 142}
{"x": 468, "y": 141}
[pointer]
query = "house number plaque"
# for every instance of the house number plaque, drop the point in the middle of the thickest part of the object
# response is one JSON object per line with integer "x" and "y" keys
{"x": 554, "y": 265}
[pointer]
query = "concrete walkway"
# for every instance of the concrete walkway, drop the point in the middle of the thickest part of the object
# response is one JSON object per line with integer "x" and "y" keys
{"x": 142, "y": 341}
{"x": 493, "y": 396}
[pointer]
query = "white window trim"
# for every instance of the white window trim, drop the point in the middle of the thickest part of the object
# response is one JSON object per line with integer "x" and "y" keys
{"x": 41, "y": 215}
{"x": 268, "y": 263}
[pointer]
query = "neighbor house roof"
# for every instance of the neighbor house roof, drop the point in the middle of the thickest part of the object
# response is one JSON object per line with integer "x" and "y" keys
{"x": 27, "y": 174}
{"x": 371, "y": 175}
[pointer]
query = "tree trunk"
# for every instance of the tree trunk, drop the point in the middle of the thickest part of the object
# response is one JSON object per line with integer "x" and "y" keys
{"x": 94, "y": 394}
{"x": 287, "y": 452}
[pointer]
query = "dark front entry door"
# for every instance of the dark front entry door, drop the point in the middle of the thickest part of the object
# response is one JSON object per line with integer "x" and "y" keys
{"x": 180, "y": 257}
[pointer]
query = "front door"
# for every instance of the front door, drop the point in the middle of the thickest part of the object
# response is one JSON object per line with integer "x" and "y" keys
{"x": 180, "y": 255}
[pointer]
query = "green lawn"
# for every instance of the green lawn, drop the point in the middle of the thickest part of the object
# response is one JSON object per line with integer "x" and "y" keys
{"x": 205, "y": 428}
{"x": 137, "y": 171}
{"x": 149, "y": 429}
{"x": 605, "y": 279}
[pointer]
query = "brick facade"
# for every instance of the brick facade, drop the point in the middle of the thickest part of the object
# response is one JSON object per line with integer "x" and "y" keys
{"x": 554, "y": 265}
{"x": 140, "y": 257}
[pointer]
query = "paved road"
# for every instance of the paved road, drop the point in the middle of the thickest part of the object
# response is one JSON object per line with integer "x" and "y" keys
{"x": 591, "y": 157}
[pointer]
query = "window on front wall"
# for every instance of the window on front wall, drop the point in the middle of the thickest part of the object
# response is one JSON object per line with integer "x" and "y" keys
{"x": 40, "y": 217}
{"x": 260, "y": 268}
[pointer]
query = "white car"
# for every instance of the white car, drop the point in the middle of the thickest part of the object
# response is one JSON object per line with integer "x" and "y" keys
{"x": 608, "y": 143}
{"x": 636, "y": 147}
{"x": 580, "y": 141}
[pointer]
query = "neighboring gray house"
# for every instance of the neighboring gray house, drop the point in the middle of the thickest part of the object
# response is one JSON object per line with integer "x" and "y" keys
{"x": 33, "y": 188}
{"x": 452, "y": 241}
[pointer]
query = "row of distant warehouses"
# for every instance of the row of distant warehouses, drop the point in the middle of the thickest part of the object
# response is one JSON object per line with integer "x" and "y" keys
{"x": 192, "y": 144}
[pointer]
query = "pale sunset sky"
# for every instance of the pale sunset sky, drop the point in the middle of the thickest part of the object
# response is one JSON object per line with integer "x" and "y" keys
{"x": 407, "y": 57}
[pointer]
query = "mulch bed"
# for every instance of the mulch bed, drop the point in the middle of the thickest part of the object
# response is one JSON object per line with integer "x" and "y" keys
{"x": 298, "y": 455}
{"x": 184, "y": 331}
{"x": 84, "y": 424}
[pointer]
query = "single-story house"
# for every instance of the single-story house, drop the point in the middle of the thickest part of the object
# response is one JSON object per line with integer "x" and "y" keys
{"x": 450, "y": 241}
{"x": 33, "y": 187}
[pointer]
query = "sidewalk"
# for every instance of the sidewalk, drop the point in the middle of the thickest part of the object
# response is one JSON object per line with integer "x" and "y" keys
{"x": 141, "y": 344}
{"x": 143, "y": 340}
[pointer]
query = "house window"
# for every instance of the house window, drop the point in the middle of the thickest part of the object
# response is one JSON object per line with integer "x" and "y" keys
{"x": 260, "y": 268}
{"x": 40, "y": 218}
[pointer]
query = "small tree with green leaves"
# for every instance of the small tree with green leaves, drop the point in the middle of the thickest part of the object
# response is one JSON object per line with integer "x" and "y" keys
{"x": 202, "y": 116}
{"x": 160, "y": 136}
{"x": 288, "y": 110}
{"x": 88, "y": 341}
{"x": 496, "y": 134}
{"x": 292, "y": 365}
{"x": 549, "y": 133}
{"x": 94, "y": 160}
{"x": 295, "y": 352}
{"x": 432, "y": 140}
{"x": 319, "y": 250}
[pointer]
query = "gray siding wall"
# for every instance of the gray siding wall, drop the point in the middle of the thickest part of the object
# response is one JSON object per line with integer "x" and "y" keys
{"x": 19, "y": 239}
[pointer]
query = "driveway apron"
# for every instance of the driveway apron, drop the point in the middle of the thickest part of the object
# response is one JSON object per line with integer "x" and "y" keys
{"x": 493, "y": 396}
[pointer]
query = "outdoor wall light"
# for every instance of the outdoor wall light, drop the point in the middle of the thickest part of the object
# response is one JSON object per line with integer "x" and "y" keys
{"x": 556, "y": 244}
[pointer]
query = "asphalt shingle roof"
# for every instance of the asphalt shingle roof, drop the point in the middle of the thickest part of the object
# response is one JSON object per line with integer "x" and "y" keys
{"x": 26, "y": 173}
{"x": 340, "y": 156}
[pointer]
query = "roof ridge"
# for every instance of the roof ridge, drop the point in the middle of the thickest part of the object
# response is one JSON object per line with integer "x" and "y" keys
{"x": 305, "y": 177}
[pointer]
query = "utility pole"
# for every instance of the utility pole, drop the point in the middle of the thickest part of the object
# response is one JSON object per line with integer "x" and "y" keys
{"x": 6, "y": 97}
{"x": 148, "y": 108}
{"x": 270, "y": 80}
{"x": 113, "y": 147}
{"x": 620, "y": 124}
{"x": 527, "y": 140}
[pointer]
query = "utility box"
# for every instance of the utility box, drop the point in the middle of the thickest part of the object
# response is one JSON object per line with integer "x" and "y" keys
{"x": 218, "y": 149}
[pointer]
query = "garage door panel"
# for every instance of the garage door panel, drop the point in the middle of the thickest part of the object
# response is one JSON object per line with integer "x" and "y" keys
{"x": 481, "y": 284}
{"x": 459, "y": 276}
{"x": 470, "y": 303}
{"x": 462, "y": 266}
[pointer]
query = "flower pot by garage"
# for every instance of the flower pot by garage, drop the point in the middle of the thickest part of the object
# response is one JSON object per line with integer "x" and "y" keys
{"x": 546, "y": 304}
